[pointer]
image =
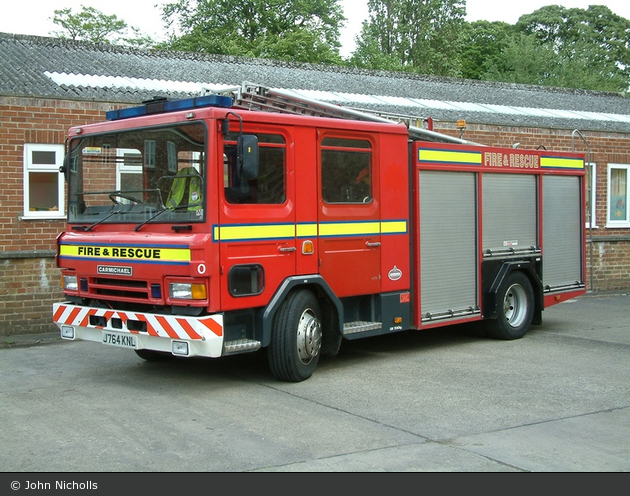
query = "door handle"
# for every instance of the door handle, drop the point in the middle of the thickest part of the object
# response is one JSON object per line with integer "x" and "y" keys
{"x": 373, "y": 245}
{"x": 287, "y": 249}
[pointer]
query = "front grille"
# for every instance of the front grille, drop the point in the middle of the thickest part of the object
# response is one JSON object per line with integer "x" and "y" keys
{"x": 139, "y": 291}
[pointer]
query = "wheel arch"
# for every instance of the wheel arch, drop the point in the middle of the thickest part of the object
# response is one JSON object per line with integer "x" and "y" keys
{"x": 495, "y": 274}
{"x": 331, "y": 307}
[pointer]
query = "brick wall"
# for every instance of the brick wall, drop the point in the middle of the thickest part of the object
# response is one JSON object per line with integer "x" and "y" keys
{"x": 29, "y": 280}
{"x": 38, "y": 121}
{"x": 28, "y": 288}
{"x": 609, "y": 267}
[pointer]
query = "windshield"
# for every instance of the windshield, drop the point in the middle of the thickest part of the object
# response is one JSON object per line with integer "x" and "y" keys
{"x": 139, "y": 176}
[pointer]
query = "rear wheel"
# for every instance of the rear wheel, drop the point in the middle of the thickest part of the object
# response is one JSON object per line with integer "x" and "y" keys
{"x": 515, "y": 302}
{"x": 297, "y": 337}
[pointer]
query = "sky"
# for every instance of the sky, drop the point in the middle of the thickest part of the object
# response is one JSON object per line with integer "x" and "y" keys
{"x": 34, "y": 17}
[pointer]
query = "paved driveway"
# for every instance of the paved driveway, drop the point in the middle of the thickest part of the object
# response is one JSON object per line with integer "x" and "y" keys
{"x": 446, "y": 400}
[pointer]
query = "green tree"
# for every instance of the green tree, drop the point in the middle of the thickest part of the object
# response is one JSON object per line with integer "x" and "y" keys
{"x": 421, "y": 36}
{"x": 524, "y": 60}
{"x": 482, "y": 46}
{"x": 302, "y": 30}
{"x": 594, "y": 40}
{"x": 527, "y": 60}
{"x": 92, "y": 25}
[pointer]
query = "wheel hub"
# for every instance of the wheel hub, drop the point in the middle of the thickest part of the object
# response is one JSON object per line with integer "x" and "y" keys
{"x": 514, "y": 307}
{"x": 309, "y": 337}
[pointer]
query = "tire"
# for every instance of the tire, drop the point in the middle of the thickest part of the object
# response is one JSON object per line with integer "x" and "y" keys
{"x": 153, "y": 356}
{"x": 296, "y": 340}
{"x": 515, "y": 302}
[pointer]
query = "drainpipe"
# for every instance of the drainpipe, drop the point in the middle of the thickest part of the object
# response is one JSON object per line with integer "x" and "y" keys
{"x": 589, "y": 212}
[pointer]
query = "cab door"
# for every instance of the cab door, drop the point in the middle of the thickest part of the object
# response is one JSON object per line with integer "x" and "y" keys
{"x": 349, "y": 213}
{"x": 257, "y": 220}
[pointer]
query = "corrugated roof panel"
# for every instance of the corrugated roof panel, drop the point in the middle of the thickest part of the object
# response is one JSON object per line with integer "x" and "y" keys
{"x": 355, "y": 98}
{"x": 469, "y": 106}
{"x": 433, "y": 104}
{"x": 396, "y": 101}
{"x": 498, "y": 109}
{"x": 325, "y": 96}
{"x": 88, "y": 80}
{"x": 170, "y": 86}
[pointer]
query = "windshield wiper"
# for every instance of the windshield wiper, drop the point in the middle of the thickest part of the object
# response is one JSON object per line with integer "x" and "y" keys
{"x": 158, "y": 213}
{"x": 113, "y": 212}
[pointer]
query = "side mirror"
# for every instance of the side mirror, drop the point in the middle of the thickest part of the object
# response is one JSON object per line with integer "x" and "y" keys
{"x": 247, "y": 146}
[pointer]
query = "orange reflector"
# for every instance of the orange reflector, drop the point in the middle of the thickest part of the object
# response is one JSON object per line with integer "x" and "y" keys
{"x": 198, "y": 291}
{"x": 308, "y": 248}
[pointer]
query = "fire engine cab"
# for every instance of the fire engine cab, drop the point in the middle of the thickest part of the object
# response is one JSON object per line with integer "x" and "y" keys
{"x": 226, "y": 224}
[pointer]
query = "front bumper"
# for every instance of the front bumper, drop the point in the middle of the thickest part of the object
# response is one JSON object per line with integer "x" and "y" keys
{"x": 158, "y": 332}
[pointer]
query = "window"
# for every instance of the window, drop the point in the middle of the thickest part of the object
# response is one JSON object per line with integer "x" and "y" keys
{"x": 149, "y": 154}
{"x": 138, "y": 176}
{"x": 43, "y": 183}
{"x": 346, "y": 170}
{"x": 269, "y": 187}
{"x": 617, "y": 210}
{"x": 591, "y": 197}
{"x": 128, "y": 171}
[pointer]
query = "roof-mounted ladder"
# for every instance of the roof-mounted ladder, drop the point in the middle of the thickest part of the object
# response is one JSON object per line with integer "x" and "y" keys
{"x": 253, "y": 96}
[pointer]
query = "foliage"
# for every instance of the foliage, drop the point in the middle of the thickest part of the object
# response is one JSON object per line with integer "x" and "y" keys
{"x": 594, "y": 40}
{"x": 482, "y": 47}
{"x": 92, "y": 25}
{"x": 554, "y": 45}
{"x": 302, "y": 30}
{"x": 420, "y": 36}
{"x": 527, "y": 60}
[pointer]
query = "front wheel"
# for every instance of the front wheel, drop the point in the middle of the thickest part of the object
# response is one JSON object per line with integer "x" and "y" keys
{"x": 515, "y": 301}
{"x": 297, "y": 337}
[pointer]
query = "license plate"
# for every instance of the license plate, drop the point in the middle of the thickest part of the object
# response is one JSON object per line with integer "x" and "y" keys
{"x": 122, "y": 340}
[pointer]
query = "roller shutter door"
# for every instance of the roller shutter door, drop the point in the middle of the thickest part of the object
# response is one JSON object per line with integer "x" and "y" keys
{"x": 509, "y": 212}
{"x": 562, "y": 232}
{"x": 448, "y": 244}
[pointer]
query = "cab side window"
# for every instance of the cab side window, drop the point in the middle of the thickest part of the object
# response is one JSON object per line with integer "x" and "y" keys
{"x": 269, "y": 187}
{"x": 346, "y": 166}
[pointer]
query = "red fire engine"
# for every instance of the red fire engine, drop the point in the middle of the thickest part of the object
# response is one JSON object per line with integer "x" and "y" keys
{"x": 229, "y": 224}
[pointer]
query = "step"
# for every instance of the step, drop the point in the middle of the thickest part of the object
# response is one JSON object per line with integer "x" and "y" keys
{"x": 360, "y": 326}
{"x": 241, "y": 345}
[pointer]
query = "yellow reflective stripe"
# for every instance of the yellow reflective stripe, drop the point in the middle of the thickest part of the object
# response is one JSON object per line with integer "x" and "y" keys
{"x": 125, "y": 252}
{"x": 349, "y": 228}
{"x": 394, "y": 227}
{"x": 175, "y": 254}
{"x": 563, "y": 163}
{"x": 307, "y": 230}
{"x": 449, "y": 157}
{"x": 261, "y": 231}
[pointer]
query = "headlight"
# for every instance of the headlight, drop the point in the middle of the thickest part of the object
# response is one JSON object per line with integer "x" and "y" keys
{"x": 187, "y": 291}
{"x": 70, "y": 283}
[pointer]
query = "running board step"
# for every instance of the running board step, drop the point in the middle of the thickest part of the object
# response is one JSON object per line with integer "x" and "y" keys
{"x": 241, "y": 345}
{"x": 360, "y": 326}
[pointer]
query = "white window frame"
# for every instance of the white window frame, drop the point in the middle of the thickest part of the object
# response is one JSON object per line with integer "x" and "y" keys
{"x": 149, "y": 154}
{"x": 124, "y": 168}
{"x": 29, "y": 167}
{"x": 611, "y": 223}
{"x": 593, "y": 199}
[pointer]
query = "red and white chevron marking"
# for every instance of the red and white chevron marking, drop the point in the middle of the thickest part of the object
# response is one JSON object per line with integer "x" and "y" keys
{"x": 165, "y": 326}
